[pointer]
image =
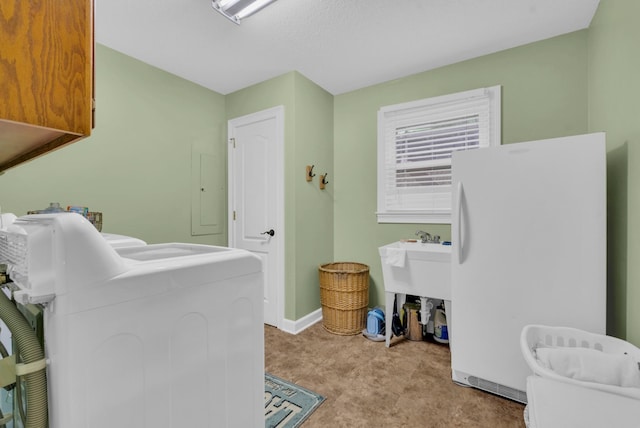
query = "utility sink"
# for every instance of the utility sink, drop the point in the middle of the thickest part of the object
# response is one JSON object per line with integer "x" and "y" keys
{"x": 425, "y": 270}
{"x": 416, "y": 269}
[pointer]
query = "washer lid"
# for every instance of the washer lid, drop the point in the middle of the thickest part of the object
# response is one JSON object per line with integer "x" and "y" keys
{"x": 120, "y": 241}
{"x": 168, "y": 251}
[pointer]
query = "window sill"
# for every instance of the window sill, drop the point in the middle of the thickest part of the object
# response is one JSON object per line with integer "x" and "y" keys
{"x": 415, "y": 217}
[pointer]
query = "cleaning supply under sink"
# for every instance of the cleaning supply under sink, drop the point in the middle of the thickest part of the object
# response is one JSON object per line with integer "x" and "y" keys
{"x": 375, "y": 325}
{"x": 413, "y": 324}
{"x": 375, "y": 321}
{"x": 441, "y": 334}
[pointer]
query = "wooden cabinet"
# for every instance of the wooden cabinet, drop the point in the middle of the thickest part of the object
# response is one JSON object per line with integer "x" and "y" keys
{"x": 46, "y": 76}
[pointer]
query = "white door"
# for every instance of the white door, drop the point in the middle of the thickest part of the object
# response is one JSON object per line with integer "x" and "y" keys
{"x": 256, "y": 203}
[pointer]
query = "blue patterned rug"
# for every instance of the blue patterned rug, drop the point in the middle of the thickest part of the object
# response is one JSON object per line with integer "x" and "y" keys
{"x": 287, "y": 405}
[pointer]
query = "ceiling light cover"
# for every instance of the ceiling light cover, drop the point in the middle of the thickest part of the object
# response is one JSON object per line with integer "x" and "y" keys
{"x": 236, "y": 10}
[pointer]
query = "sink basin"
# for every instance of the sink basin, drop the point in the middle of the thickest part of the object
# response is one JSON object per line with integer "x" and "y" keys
{"x": 425, "y": 271}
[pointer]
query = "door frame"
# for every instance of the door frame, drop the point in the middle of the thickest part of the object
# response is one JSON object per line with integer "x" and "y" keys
{"x": 278, "y": 114}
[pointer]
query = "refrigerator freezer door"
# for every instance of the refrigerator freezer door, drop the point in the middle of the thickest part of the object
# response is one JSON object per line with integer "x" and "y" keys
{"x": 529, "y": 238}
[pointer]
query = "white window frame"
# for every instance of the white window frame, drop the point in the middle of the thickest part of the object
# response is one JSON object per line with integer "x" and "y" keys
{"x": 428, "y": 204}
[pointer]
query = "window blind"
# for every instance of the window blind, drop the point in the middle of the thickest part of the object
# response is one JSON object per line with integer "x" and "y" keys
{"x": 419, "y": 142}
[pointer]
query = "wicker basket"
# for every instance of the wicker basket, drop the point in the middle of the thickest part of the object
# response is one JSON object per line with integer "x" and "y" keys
{"x": 344, "y": 295}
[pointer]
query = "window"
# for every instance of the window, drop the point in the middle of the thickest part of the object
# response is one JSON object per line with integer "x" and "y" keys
{"x": 415, "y": 143}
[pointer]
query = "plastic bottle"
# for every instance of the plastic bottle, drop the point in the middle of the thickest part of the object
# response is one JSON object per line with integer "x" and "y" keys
{"x": 441, "y": 333}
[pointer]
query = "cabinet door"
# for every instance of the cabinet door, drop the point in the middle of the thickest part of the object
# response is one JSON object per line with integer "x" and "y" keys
{"x": 46, "y": 75}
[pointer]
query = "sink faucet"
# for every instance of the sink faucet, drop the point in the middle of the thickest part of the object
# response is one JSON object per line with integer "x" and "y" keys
{"x": 426, "y": 237}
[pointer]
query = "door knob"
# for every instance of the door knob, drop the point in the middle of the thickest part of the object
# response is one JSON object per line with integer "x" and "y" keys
{"x": 269, "y": 232}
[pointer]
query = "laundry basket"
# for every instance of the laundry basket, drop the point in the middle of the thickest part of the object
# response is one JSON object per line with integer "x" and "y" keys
{"x": 536, "y": 336}
{"x": 344, "y": 295}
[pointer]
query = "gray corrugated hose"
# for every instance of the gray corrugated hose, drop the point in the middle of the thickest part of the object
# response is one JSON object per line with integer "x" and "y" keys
{"x": 31, "y": 351}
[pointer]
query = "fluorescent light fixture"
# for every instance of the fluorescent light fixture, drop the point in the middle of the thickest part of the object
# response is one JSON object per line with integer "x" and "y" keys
{"x": 236, "y": 10}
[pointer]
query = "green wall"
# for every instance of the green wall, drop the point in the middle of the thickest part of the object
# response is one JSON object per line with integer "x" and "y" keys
{"x": 544, "y": 94}
{"x": 614, "y": 91}
{"x": 136, "y": 166}
{"x": 308, "y": 210}
{"x": 314, "y": 222}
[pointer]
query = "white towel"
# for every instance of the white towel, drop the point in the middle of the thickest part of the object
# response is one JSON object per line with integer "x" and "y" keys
{"x": 591, "y": 365}
{"x": 395, "y": 257}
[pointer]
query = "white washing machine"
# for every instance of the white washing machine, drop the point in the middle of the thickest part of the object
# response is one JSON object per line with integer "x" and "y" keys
{"x": 167, "y": 335}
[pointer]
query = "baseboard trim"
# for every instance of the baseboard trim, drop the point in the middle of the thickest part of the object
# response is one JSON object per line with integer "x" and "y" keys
{"x": 295, "y": 327}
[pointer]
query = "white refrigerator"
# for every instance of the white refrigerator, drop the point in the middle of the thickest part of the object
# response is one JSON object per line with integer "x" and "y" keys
{"x": 529, "y": 247}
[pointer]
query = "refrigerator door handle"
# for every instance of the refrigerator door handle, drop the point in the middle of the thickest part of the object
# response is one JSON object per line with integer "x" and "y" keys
{"x": 459, "y": 225}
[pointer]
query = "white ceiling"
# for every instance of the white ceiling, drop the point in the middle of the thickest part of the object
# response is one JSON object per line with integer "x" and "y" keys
{"x": 341, "y": 45}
